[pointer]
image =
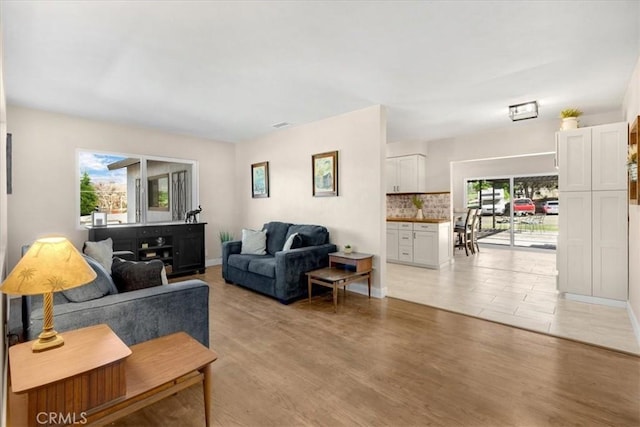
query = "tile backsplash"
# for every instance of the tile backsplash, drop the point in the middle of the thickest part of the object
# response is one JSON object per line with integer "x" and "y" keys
{"x": 436, "y": 205}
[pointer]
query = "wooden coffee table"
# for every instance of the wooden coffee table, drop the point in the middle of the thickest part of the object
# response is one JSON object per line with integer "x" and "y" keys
{"x": 343, "y": 269}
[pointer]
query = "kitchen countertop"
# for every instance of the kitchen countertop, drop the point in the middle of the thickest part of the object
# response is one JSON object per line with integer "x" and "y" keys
{"x": 425, "y": 220}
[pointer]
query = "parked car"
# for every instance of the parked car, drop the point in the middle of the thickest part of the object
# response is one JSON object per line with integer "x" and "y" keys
{"x": 524, "y": 206}
{"x": 550, "y": 207}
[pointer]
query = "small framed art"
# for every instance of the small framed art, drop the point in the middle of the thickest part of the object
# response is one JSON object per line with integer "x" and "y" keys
{"x": 325, "y": 174}
{"x": 99, "y": 219}
{"x": 260, "y": 180}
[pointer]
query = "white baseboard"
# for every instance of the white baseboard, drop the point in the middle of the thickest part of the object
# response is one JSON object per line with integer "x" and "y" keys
{"x": 212, "y": 262}
{"x": 361, "y": 288}
{"x": 634, "y": 322}
{"x": 596, "y": 300}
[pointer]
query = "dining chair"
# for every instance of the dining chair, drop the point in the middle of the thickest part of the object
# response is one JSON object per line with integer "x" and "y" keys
{"x": 463, "y": 232}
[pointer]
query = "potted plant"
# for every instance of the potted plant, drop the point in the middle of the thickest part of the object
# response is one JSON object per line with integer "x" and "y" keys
{"x": 418, "y": 203}
{"x": 225, "y": 236}
{"x": 569, "y": 118}
{"x": 347, "y": 249}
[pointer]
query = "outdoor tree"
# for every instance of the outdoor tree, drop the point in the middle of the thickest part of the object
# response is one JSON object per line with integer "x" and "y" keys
{"x": 110, "y": 196}
{"x": 88, "y": 196}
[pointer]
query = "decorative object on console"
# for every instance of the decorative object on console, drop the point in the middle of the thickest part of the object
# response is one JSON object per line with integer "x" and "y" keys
{"x": 99, "y": 219}
{"x": 50, "y": 265}
{"x": 260, "y": 180}
{"x": 348, "y": 249}
{"x": 192, "y": 216}
{"x": 569, "y": 118}
{"x": 325, "y": 174}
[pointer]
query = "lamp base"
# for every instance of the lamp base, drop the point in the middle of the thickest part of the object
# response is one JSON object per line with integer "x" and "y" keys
{"x": 47, "y": 343}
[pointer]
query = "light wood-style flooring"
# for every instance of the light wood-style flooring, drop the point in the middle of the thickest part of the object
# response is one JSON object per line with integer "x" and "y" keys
{"x": 388, "y": 362}
{"x": 517, "y": 288}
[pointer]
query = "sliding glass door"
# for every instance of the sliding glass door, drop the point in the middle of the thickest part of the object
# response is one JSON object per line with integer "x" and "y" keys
{"x": 516, "y": 210}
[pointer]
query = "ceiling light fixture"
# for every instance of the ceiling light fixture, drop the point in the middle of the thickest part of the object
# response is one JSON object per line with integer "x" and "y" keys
{"x": 527, "y": 110}
{"x": 281, "y": 125}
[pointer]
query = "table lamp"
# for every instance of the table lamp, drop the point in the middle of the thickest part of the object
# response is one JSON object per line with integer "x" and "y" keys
{"x": 50, "y": 265}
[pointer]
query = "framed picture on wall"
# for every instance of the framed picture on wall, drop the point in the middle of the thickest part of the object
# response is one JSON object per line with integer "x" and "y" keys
{"x": 325, "y": 174}
{"x": 260, "y": 180}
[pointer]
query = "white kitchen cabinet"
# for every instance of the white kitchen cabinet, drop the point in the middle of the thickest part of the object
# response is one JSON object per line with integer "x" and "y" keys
{"x": 392, "y": 241}
{"x": 574, "y": 160}
{"x": 405, "y": 245}
{"x": 574, "y": 242}
{"x": 592, "y": 253}
{"x": 406, "y": 174}
{"x": 609, "y": 240}
{"x": 422, "y": 244}
{"x": 593, "y": 158}
{"x": 609, "y": 157}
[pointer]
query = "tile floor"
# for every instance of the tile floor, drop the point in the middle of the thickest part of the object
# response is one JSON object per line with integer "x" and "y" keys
{"x": 513, "y": 287}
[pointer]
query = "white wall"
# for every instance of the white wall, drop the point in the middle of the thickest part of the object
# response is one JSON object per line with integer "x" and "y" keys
{"x": 3, "y": 242}
{"x": 356, "y": 216}
{"x": 632, "y": 108}
{"x": 45, "y": 178}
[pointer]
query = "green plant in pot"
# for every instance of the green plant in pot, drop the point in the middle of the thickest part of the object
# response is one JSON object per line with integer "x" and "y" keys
{"x": 348, "y": 249}
{"x": 418, "y": 203}
{"x": 569, "y": 118}
{"x": 225, "y": 236}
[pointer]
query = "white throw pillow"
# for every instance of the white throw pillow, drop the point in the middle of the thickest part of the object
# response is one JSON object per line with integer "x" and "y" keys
{"x": 289, "y": 242}
{"x": 101, "y": 251}
{"x": 254, "y": 242}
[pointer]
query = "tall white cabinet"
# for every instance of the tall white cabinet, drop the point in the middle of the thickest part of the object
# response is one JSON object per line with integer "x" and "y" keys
{"x": 592, "y": 241}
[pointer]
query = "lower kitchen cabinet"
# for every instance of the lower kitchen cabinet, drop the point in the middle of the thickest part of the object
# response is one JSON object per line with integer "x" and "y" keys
{"x": 419, "y": 243}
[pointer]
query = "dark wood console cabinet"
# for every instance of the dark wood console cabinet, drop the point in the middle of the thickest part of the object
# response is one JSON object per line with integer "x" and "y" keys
{"x": 179, "y": 245}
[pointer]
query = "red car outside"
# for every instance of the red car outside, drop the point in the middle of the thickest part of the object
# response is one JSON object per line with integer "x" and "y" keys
{"x": 524, "y": 206}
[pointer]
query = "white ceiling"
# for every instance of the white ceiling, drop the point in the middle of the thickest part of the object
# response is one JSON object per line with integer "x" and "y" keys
{"x": 230, "y": 70}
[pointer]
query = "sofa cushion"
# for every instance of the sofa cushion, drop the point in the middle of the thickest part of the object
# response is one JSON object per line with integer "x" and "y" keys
{"x": 102, "y": 285}
{"x": 253, "y": 242}
{"x": 276, "y": 235}
{"x": 294, "y": 241}
{"x": 132, "y": 275}
{"x": 312, "y": 235}
{"x": 241, "y": 262}
{"x": 263, "y": 266}
{"x": 101, "y": 251}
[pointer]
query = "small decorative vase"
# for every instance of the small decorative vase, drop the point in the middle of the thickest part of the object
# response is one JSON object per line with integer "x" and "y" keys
{"x": 569, "y": 123}
{"x": 419, "y": 215}
{"x": 633, "y": 172}
{"x": 348, "y": 250}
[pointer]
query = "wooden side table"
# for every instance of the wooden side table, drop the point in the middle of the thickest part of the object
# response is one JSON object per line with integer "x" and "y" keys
{"x": 85, "y": 373}
{"x": 343, "y": 269}
{"x": 154, "y": 369}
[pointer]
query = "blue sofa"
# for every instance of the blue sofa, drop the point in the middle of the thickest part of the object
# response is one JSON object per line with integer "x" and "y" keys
{"x": 134, "y": 316}
{"x": 279, "y": 274}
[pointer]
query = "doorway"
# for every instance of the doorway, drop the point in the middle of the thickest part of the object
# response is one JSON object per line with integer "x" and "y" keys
{"x": 517, "y": 210}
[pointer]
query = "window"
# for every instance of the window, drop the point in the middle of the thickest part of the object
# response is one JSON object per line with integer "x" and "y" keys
{"x": 135, "y": 189}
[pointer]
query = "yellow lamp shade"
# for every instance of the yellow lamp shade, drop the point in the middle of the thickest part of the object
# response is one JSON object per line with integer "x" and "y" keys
{"x": 51, "y": 264}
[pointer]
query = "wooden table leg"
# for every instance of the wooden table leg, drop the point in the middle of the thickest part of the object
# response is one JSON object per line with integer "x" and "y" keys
{"x": 309, "y": 285}
{"x": 335, "y": 297}
{"x": 369, "y": 283}
{"x": 207, "y": 387}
